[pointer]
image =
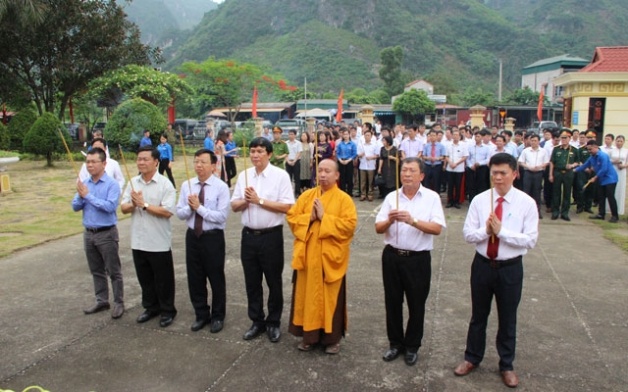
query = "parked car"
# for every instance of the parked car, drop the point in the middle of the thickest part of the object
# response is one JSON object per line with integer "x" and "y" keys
{"x": 198, "y": 133}
{"x": 538, "y": 126}
{"x": 184, "y": 126}
{"x": 287, "y": 125}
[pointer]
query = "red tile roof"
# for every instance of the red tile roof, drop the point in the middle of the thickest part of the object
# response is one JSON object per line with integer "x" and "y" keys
{"x": 608, "y": 59}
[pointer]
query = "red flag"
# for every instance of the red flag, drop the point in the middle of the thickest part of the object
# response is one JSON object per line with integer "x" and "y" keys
{"x": 539, "y": 110}
{"x": 339, "y": 112}
{"x": 171, "y": 112}
{"x": 254, "y": 107}
{"x": 71, "y": 111}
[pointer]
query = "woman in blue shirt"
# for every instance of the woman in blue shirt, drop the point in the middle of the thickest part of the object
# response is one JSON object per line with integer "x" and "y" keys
{"x": 209, "y": 141}
{"x": 165, "y": 157}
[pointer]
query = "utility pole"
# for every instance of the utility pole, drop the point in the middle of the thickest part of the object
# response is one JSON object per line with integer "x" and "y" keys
{"x": 499, "y": 91}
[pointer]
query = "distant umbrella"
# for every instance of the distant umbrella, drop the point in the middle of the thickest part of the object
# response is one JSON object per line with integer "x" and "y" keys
{"x": 216, "y": 113}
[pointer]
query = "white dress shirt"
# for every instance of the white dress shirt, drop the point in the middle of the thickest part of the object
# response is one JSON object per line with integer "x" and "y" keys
{"x": 272, "y": 184}
{"x": 369, "y": 150}
{"x": 534, "y": 158}
{"x": 425, "y": 205}
{"x": 294, "y": 148}
{"x": 456, "y": 152}
{"x": 520, "y": 223}
{"x": 215, "y": 204}
{"x": 411, "y": 148}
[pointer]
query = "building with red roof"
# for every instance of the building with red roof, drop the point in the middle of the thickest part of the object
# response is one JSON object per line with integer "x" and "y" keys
{"x": 596, "y": 97}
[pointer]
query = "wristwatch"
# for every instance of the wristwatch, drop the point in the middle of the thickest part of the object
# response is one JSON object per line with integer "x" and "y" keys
{"x": 145, "y": 206}
{"x": 415, "y": 222}
{"x": 261, "y": 202}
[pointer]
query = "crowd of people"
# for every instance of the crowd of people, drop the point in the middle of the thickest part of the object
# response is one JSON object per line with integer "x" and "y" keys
{"x": 309, "y": 181}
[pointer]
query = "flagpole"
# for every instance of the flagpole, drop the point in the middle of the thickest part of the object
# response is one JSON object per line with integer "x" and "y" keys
{"x": 305, "y": 97}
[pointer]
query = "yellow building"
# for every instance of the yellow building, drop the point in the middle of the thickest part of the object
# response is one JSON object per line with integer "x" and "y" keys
{"x": 596, "y": 97}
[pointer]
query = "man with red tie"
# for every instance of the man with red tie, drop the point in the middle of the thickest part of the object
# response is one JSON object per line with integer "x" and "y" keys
{"x": 503, "y": 223}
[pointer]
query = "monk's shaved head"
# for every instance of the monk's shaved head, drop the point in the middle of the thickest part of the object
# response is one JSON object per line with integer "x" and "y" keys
{"x": 328, "y": 173}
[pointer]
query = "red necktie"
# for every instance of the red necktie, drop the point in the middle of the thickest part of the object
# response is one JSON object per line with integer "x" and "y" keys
{"x": 433, "y": 152}
{"x": 493, "y": 242}
{"x": 198, "y": 220}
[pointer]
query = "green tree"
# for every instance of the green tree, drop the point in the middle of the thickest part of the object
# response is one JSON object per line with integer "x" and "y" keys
{"x": 131, "y": 118}
{"x": 19, "y": 126}
{"x": 5, "y": 140}
{"x": 413, "y": 104}
{"x": 228, "y": 83}
{"x": 44, "y": 137}
{"x": 135, "y": 81}
{"x": 390, "y": 72}
{"x": 295, "y": 95}
{"x": 75, "y": 42}
{"x": 28, "y": 11}
{"x": 523, "y": 96}
{"x": 471, "y": 97}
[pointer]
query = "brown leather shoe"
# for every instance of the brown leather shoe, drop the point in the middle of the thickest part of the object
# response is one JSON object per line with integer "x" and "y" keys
{"x": 510, "y": 379}
{"x": 464, "y": 368}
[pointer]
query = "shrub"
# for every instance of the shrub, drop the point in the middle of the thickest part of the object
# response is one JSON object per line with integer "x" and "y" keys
{"x": 5, "y": 140}
{"x": 43, "y": 137}
{"x": 18, "y": 126}
{"x": 130, "y": 120}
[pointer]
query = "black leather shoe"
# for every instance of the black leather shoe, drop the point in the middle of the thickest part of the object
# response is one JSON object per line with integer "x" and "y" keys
{"x": 554, "y": 217}
{"x": 565, "y": 218}
{"x": 391, "y": 354}
{"x": 589, "y": 211}
{"x": 145, "y": 316}
{"x": 199, "y": 324}
{"x": 457, "y": 206}
{"x": 165, "y": 321}
{"x": 598, "y": 216}
{"x": 96, "y": 308}
{"x": 411, "y": 358}
{"x": 254, "y": 332}
{"x": 216, "y": 326}
{"x": 274, "y": 333}
{"x": 579, "y": 210}
{"x": 449, "y": 205}
{"x": 614, "y": 219}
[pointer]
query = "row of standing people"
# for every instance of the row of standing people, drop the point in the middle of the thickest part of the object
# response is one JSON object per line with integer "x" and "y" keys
{"x": 323, "y": 221}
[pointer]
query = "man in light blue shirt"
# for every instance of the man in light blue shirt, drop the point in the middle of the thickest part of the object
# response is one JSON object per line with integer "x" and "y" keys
{"x": 477, "y": 166}
{"x": 98, "y": 198}
{"x": 145, "y": 141}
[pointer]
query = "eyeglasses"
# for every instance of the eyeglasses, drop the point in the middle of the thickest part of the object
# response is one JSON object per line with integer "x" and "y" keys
{"x": 564, "y": 137}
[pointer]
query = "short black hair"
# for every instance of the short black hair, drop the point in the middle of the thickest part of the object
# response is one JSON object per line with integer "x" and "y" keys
{"x": 262, "y": 142}
{"x": 98, "y": 139}
{"x": 502, "y": 157}
{"x": 413, "y": 160}
{"x": 98, "y": 151}
{"x": 212, "y": 156}
{"x": 153, "y": 151}
{"x": 592, "y": 143}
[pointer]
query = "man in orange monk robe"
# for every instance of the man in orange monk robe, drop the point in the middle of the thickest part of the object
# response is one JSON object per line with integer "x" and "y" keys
{"x": 323, "y": 221}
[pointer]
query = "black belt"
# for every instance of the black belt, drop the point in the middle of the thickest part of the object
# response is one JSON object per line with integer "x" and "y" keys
{"x": 500, "y": 263}
{"x": 433, "y": 164}
{"x": 405, "y": 253}
{"x": 212, "y": 231}
{"x": 248, "y": 230}
{"x": 99, "y": 229}
{"x": 563, "y": 171}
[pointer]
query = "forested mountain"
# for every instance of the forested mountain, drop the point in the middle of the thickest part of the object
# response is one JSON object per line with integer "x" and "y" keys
{"x": 455, "y": 44}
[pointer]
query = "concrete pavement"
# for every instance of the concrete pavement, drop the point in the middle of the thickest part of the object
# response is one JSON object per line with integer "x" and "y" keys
{"x": 571, "y": 334}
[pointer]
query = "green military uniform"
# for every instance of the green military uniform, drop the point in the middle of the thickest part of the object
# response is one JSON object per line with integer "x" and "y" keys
{"x": 563, "y": 179}
{"x": 280, "y": 148}
{"x": 585, "y": 195}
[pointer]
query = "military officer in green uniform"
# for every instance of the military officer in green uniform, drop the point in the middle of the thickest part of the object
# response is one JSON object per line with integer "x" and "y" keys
{"x": 564, "y": 159}
{"x": 280, "y": 149}
{"x": 585, "y": 195}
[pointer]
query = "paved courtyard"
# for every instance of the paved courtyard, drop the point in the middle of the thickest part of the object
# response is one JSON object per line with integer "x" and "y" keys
{"x": 572, "y": 331}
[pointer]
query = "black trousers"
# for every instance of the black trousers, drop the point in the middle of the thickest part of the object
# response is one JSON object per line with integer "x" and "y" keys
{"x": 505, "y": 285}
{"x": 471, "y": 185}
{"x": 205, "y": 260}
{"x": 230, "y": 167}
{"x": 294, "y": 172}
{"x": 607, "y": 192}
{"x": 409, "y": 276}
{"x": 483, "y": 181}
{"x": 262, "y": 257}
{"x": 346, "y": 177}
{"x": 532, "y": 186}
{"x": 548, "y": 188}
{"x": 163, "y": 167}
{"x": 155, "y": 273}
{"x": 432, "y": 177}
{"x": 454, "y": 185}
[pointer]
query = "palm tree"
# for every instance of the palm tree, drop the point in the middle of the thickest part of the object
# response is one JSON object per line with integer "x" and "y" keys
{"x": 24, "y": 10}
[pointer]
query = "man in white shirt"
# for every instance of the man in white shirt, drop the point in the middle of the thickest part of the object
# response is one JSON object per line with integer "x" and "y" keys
{"x": 263, "y": 194}
{"x": 534, "y": 160}
{"x": 406, "y": 260}
{"x": 112, "y": 169}
{"x": 293, "y": 160}
{"x": 456, "y": 156}
{"x": 502, "y": 232}
{"x": 368, "y": 153}
{"x": 412, "y": 146}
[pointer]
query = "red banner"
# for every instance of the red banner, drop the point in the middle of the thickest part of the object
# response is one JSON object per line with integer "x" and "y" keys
{"x": 339, "y": 112}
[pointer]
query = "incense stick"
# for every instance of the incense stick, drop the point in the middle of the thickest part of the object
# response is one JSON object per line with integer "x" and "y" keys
{"x": 126, "y": 169}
